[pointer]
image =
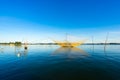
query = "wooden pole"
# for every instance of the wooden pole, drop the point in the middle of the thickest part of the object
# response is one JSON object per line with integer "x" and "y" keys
{"x": 106, "y": 41}
{"x": 93, "y": 43}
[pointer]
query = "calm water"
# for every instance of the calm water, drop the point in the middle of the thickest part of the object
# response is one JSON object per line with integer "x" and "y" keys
{"x": 56, "y": 63}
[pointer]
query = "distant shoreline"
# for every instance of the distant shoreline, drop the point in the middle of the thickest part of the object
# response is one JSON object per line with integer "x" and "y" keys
{"x": 57, "y": 43}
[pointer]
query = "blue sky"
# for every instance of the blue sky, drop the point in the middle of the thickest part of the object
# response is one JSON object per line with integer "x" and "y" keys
{"x": 37, "y": 20}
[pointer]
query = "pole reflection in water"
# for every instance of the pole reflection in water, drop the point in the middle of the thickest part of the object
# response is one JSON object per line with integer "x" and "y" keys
{"x": 71, "y": 52}
{"x": 20, "y": 51}
{"x": 1, "y": 50}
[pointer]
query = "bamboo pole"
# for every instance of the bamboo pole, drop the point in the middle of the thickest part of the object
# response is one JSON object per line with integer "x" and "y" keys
{"x": 93, "y": 43}
{"x": 105, "y": 45}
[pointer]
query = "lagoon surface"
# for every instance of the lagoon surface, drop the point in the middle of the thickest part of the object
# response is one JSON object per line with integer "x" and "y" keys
{"x": 51, "y": 62}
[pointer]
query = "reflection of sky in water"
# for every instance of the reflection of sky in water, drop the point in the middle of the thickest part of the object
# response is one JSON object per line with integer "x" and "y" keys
{"x": 51, "y": 62}
{"x": 50, "y": 50}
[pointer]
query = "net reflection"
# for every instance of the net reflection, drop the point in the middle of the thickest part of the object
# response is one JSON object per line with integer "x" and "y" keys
{"x": 20, "y": 51}
{"x": 71, "y": 52}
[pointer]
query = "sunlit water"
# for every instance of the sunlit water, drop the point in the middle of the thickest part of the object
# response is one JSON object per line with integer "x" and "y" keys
{"x": 52, "y": 62}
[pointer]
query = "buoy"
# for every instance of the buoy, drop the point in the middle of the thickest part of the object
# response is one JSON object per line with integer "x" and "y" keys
{"x": 25, "y": 47}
